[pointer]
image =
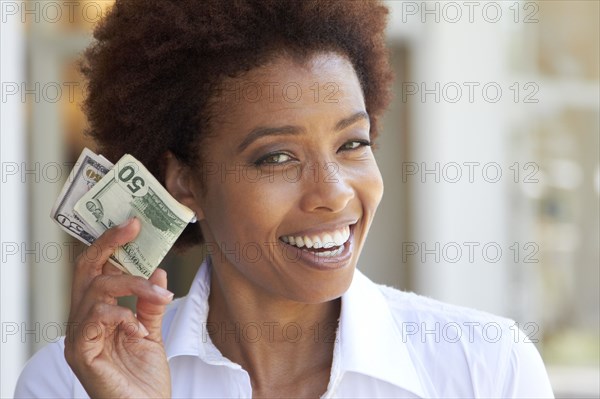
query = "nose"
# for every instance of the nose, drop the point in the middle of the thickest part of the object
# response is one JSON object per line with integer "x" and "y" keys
{"x": 326, "y": 188}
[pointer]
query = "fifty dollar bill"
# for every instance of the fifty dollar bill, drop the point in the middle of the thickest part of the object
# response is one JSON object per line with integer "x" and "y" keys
{"x": 99, "y": 196}
{"x": 88, "y": 170}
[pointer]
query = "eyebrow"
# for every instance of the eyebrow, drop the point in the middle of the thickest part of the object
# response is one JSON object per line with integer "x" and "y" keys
{"x": 259, "y": 132}
{"x": 352, "y": 119}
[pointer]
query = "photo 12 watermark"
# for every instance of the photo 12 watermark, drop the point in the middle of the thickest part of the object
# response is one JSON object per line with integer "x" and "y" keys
{"x": 470, "y": 172}
{"x": 452, "y": 12}
{"x": 468, "y": 332}
{"x": 53, "y": 12}
{"x": 269, "y": 331}
{"x": 470, "y": 92}
{"x": 40, "y": 92}
{"x": 272, "y": 91}
{"x": 50, "y": 332}
{"x": 469, "y": 252}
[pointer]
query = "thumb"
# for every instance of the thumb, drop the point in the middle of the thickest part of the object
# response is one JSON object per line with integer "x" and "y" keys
{"x": 151, "y": 314}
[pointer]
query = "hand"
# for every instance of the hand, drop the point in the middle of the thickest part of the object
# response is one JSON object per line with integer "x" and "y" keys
{"x": 113, "y": 352}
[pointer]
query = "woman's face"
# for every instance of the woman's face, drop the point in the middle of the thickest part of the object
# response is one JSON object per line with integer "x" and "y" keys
{"x": 289, "y": 170}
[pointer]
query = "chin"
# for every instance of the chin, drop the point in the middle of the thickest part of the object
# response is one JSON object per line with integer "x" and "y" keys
{"x": 325, "y": 289}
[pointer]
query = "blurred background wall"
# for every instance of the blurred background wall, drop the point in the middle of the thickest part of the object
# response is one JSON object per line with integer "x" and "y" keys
{"x": 490, "y": 157}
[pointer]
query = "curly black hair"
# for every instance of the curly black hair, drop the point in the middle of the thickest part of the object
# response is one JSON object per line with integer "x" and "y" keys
{"x": 153, "y": 64}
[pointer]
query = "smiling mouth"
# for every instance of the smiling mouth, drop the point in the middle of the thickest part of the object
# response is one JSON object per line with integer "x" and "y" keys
{"x": 328, "y": 244}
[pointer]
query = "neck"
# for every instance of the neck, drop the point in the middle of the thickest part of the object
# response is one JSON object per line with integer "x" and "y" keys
{"x": 263, "y": 333}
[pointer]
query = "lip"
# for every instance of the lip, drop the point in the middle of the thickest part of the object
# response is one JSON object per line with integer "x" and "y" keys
{"x": 311, "y": 259}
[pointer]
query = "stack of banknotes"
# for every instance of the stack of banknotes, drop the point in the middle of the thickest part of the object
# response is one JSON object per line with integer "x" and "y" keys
{"x": 99, "y": 195}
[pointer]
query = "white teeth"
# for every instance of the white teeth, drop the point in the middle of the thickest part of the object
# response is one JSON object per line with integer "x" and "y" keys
{"x": 317, "y": 243}
{"x": 330, "y": 254}
{"x": 327, "y": 240}
{"x": 338, "y": 238}
{"x": 308, "y": 242}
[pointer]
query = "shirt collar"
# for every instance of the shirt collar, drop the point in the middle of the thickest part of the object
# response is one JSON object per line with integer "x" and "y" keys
{"x": 368, "y": 341}
{"x": 187, "y": 334}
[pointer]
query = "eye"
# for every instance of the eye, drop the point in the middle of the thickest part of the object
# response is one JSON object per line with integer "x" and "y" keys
{"x": 354, "y": 144}
{"x": 273, "y": 159}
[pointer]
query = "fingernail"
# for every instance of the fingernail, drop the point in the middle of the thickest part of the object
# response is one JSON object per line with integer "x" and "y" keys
{"x": 144, "y": 330}
{"x": 126, "y": 223}
{"x": 161, "y": 291}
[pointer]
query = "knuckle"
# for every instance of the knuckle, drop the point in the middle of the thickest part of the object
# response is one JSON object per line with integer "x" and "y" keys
{"x": 108, "y": 240}
{"x": 87, "y": 360}
{"x": 139, "y": 283}
{"x": 100, "y": 283}
{"x": 98, "y": 310}
{"x": 127, "y": 314}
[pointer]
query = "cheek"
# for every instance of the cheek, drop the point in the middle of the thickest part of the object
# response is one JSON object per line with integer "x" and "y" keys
{"x": 370, "y": 187}
{"x": 377, "y": 187}
{"x": 243, "y": 210}
{"x": 273, "y": 203}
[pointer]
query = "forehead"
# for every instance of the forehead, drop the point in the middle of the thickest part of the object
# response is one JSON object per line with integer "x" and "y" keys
{"x": 286, "y": 90}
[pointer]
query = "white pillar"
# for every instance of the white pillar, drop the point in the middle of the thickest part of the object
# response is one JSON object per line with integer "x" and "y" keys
{"x": 468, "y": 213}
{"x": 13, "y": 203}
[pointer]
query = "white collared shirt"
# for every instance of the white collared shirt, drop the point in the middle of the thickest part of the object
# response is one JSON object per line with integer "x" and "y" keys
{"x": 388, "y": 344}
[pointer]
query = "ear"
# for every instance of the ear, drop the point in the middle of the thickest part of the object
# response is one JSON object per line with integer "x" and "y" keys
{"x": 181, "y": 185}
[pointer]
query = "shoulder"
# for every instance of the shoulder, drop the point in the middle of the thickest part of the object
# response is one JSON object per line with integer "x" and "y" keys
{"x": 408, "y": 306}
{"x": 467, "y": 350}
{"x": 47, "y": 374}
{"x": 462, "y": 334}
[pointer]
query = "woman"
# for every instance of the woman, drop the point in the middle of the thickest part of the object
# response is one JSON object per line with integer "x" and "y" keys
{"x": 259, "y": 116}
